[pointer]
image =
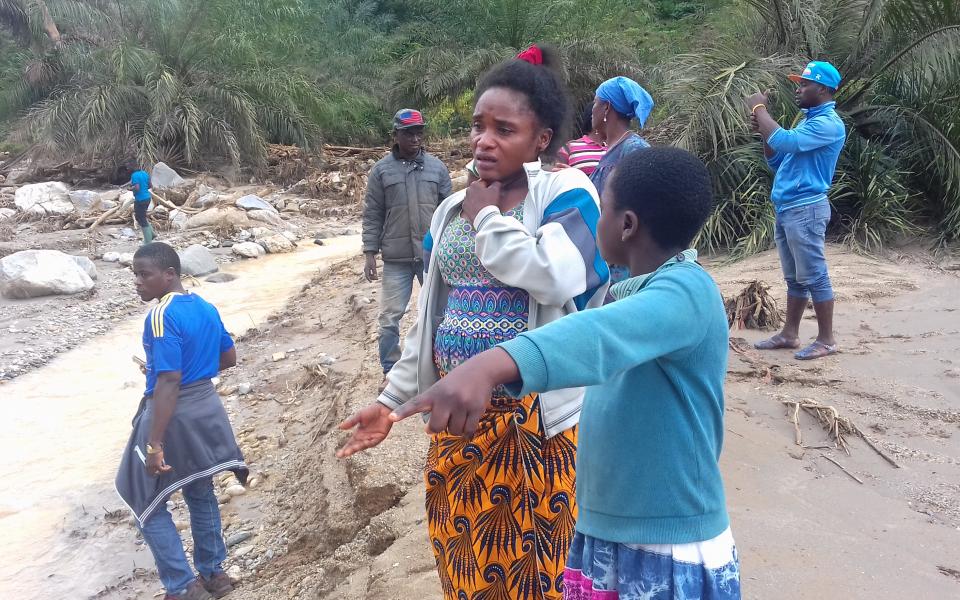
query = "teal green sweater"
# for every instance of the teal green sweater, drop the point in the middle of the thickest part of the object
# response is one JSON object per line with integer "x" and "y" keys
{"x": 652, "y": 422}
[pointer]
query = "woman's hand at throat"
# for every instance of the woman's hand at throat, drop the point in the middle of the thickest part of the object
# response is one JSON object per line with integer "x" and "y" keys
{"x": 481, "y": 194}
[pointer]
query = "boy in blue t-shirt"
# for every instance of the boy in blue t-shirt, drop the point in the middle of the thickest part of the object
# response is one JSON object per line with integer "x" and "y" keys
{"x": 140, "y": 185}
{"x": 182, "y": 436}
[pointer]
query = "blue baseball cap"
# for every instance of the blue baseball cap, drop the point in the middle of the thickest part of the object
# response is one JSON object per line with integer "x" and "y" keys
{"x": 819, "y": 72}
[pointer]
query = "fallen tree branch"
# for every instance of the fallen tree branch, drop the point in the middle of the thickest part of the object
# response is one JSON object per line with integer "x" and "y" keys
{"x": 842, "y": 468}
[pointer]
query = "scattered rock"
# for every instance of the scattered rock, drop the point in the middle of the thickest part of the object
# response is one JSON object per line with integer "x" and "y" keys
{"x": 178, "y": 220}
{"x": 324, "y": 234}
{"x": 290, "y": 236}
{"x": 228, "y": 217}
{"x": 126, "y": 259}
{"x": 318, "y": 242}
{"x": 244, "y": 388}
{"x": 128, "y": 233}
{"x": 266, "y": 216}
{"x": 6, "y": 213}
{"x": 276, "y": 244}
{"x": 220, "y": 278}
{"x": 84, "y": 200}
{"x": 182, "y": 525}
{"x": 33, "y": 273}
{"x": 236, "y": 490}
{"x": 207, "y": 200}
{"x": 111, "y": 257}
{"x": 87, "y": 265}
{"x": 248, "y": 250}
{"x": 163, "y": 176}
{"x": 243, "y": 551}
{"x": 196, "y": 260}
{"x": 43, "y": 199}
{"x": 254, "y": 483}
{"x": 260, "y": 232}
{"x": 324, "y": 360}
{"x": 278, "y": 356}
{"x": 254, "y": 202}
{"x": 239, "y": 538}
{"x": 235, "y": 573}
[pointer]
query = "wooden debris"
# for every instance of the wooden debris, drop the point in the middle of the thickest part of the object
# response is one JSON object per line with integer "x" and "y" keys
{"x": 754, "y": 308}
{"x": 842, "y": 468}
{"x": 838, "y": 427}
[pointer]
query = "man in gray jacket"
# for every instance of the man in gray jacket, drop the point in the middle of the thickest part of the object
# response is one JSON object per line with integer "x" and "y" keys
{"x": 403, "y": 190}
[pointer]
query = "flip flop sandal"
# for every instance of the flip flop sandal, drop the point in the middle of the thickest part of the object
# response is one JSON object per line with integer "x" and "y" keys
{"x": 776, "y": 342}
{"x": 816, "y": 350}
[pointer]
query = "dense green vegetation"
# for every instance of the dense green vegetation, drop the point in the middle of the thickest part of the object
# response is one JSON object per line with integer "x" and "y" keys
{"x": 201, "y": 82}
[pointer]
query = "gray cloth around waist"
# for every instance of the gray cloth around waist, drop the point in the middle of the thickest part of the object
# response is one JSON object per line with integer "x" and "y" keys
{"x": 199, "y": 442}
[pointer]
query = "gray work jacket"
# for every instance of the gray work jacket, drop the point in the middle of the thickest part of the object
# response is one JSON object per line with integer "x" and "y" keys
{"x": 401, "y": 197}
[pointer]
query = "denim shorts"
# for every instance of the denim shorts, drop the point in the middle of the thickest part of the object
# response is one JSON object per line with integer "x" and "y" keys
{"x": 800, "y": 235}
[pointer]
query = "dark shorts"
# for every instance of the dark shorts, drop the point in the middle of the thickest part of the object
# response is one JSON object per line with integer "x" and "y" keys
{"x": 140, "y": 212}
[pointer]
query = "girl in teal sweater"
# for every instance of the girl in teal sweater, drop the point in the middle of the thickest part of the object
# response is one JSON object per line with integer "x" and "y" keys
{"x": 652, "y": 518}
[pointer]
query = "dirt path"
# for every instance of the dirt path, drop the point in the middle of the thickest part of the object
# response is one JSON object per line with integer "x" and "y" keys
{"x": 325, "y": 528}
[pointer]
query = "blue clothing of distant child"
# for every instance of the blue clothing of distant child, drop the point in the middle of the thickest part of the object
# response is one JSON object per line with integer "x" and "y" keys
{"x": 184, "y": 333}
{"x": 806, "y": 157}
{"x": 140, "y": 183}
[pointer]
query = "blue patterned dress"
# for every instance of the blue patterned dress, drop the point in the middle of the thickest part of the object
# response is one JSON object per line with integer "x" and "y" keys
{"x": 500, "y": 506}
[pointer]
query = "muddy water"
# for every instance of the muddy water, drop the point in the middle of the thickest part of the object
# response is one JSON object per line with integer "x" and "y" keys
{"x": 62, "y": 429}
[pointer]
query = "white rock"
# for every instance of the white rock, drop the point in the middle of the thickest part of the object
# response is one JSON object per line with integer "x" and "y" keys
{"x": 6, "y": 213}
{"x": 276, "y": 244}
{"x": 163, "y": 176}
{"x": 266, "y": 216}
{"x": 235, "y": 490}
{"x": 87, "y": 265}
{"x": 42, "y": 199}
{"x": 178, "y": 220}
{"x": 235, "y": 573}
{"x": 259, "y": 232}
{"x": 84, "y": 200}
{"x": 111, "y": 257}
{"x": 219, "y": 217}
{"x": 243, "y": 551}
{"x": 33, "y": 273}
{"x": 254, "y": 202}
{"x": 207, "y": 200}
{"x": 126, "y": 259}
{"x": 106, "y": 205}
{"x": 290, "y": 236}
{"x": 244, "y": 388}
{"x": 248, "y": 250}
{"x": 196, "y": 260}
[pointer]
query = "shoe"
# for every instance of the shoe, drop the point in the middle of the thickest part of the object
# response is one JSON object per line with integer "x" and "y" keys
{"x": 219, "y": 585}
{"x": 194, "y": 591}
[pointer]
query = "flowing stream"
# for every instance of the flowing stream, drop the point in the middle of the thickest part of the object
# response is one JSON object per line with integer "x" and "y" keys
{"x": 63, "y": 427}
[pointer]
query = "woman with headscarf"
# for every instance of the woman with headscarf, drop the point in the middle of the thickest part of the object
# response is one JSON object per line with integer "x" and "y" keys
{"x": 618, "y": 101}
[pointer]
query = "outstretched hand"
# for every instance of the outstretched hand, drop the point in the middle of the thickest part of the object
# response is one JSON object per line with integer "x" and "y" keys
{"x": 458, "y": 401}
{"x": 754, "y": 100}
{"x": 372, "y": 427}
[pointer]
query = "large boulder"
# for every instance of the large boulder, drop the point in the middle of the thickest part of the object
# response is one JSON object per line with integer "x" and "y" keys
{"x": 196, "y": 260}
{"x": 87, "y": 265}
{"x": 276, "y": 244}
{"x": 248, "y": 250}
{"x": 219, "y": 217}
{"x": 43, "y": 199}
{"x": 33, "y": 273}
{"x": 84, "y": 200}
{"x": 254, "y": 202}
{"x": 266, "y": 216}
{"x": 163, "y": 176}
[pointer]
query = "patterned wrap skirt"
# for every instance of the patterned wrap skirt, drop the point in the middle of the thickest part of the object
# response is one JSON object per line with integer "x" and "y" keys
{"x": 500, "y": 506}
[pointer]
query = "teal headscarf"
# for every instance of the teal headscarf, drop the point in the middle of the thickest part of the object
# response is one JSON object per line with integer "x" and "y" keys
{"x": 627, "y": 97}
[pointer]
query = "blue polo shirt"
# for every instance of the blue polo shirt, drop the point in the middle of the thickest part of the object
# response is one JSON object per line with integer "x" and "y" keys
{"x": 141, "y": 178}
{"x": 183, "y": 332}
{"x": 806, "y": 157}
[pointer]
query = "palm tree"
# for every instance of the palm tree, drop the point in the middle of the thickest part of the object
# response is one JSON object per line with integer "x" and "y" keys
{"x": 452, "y": 43}
{"x": 160, "y": 80}
{"x": 901, "y": 65}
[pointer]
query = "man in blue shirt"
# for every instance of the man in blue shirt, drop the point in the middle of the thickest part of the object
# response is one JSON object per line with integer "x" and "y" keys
{"x": 804, "y": 160}
{"x": 140, "y": 185}
{"x": 181, "y": 435}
